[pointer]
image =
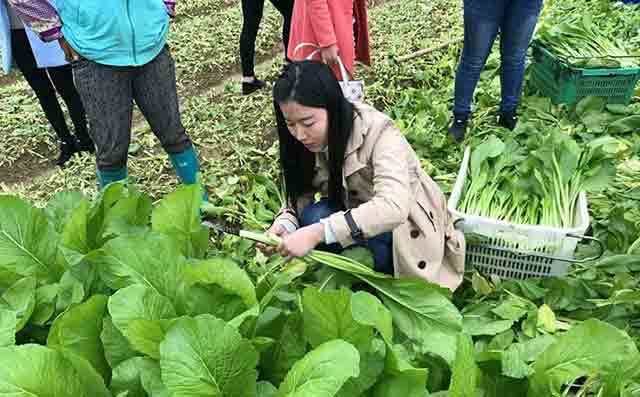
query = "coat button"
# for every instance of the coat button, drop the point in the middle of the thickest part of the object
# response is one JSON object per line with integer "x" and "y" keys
{"x": 422, "y": 265}
{"x": 415, "y": 233}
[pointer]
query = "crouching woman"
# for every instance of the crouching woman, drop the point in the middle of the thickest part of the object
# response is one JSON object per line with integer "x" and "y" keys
{"x": 351, "y": 178}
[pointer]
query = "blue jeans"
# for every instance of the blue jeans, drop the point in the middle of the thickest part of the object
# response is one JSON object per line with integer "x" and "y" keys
{"x": 381, "y": 246}
{"x": 516, "y": 21}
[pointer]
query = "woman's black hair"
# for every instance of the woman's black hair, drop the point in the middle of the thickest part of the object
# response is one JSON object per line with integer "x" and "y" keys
{"x": 313, "y": 84}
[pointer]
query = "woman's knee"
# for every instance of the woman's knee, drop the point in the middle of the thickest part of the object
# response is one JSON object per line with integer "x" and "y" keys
{"x": 313, "y": 213}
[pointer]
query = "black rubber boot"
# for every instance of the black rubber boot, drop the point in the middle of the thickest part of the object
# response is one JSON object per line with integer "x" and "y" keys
{"x": 68, "y": 148}
{"x": 508, "y": 120}
{"x": 459, "y": 125}
{"x": 250, "y": 88}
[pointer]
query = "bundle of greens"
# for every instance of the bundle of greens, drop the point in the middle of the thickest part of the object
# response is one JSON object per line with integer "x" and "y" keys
{"x": 576, "y": 38}
{"x": 539, "y": 183}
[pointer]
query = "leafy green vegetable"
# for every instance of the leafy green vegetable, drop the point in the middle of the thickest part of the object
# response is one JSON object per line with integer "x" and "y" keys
{"x": 177, "y": 216}
{"x": 203, "y": 356}
{"x": 78, "y": 331}
{"x": 142, "y": 316}
{"x": 47, "y": 373}
{"x": 127, "y": 376}
{"x": 218, "y": 286}
{"x": 27, "y": 241}
{"x": 116, "y": 347}
{"x": 323, "y": 371}
{"x": 328, "y": 316}
{"x": 590, "y": 347}
{"x": 463, "y": 380}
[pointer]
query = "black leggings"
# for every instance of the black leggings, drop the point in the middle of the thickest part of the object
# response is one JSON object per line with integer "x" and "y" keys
{"x": 252, "y": 13}
{"x": 45, "y": 89}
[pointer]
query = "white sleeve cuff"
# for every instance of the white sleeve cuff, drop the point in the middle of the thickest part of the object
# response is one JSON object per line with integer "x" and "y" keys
{"x": 288, "y": 225}
{"x": 329, "y": 235}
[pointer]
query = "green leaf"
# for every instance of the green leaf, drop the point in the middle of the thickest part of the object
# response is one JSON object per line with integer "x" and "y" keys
{"x": 476, "y": 325}
{"x": 8, "y": 327}
{"x": 590, "y": 104}
{"x": 28, "y": 242}
{"x": 142, "y": 316}
{"x": 70, "y": 291}
{"x": 366, "y": 309}
{"x": 116, "y": 346}
{"x": 290, "y": 346}
{"x": 371, "y": 367}
{"x": 119, "y": 210}
{"x": 480, "y": 284}
{"x": 502, "y": 341}
{"x": 327, "y": 316}
{"x": 406, "y": 384}
{"x": 152, "y": 381}
{"x": 20, "y": 298}
{"x": 178, "y": 216}
{"x": 149, "y": 259}
{"x": 61, "y": 207}
{"x": 516, "y": 357}
{"x": 423, "y": 312}
{"x": 492, "y": 147}
{"x": 45, "y": 304}
{"x": 74, "y": 239}
{"x": 547, "y": 319}
{"x": 78, "y": 331}
{"x": 323, "y": 371}
{"x": 203, "y": 356}
{"x": 463, "y": 372}
{"x": 585, "y": 349}
{"x": 266, "y": 389}
{"x": 513, "y": 309}
{"x": 625, "y": 125}
{"x": 47, "y": 373}
{"x": 219, "y": 287}
{"x": 127, "y": 376}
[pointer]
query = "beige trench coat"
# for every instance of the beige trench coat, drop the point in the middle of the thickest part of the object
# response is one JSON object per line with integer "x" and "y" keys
{"x": 388, "y": 191}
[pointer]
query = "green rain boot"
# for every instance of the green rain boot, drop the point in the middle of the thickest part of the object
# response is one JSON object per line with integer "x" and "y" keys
{"x": 187, "y": 168}
{"x": 107, "y": 177}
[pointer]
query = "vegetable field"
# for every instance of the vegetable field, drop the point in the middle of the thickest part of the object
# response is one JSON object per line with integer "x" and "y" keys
{"x": 125, "y": 293}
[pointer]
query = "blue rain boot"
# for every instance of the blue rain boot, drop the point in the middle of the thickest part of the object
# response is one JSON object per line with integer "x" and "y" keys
{"x": 107, "y": 177}
{"x": 187, "y": 168}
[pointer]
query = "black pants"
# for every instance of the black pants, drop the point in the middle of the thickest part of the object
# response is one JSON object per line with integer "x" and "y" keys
{"x": 45, "y": 89}
{"x": 252, "y": 13}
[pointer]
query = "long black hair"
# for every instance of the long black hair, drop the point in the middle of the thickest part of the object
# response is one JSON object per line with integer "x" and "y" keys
{"x": 313, "y": 84}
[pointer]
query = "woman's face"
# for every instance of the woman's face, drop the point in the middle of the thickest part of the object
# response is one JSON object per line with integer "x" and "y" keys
{"x": 308, "y": 125}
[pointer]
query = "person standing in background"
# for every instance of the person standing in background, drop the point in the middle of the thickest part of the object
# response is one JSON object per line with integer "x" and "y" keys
{"x": 332, "y": 29}
{"x": 516, "y": 21}
{"x": 46, "y": 82}
{"x": 119, "y": 55}
{"x": 252, "y": 11}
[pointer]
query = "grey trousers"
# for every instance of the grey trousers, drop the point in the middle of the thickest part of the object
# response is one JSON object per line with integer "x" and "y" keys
{"x": 108, "y": 93}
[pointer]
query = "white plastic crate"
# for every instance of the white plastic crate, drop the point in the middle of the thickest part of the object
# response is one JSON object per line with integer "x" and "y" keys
{"x": 513, "y": 251}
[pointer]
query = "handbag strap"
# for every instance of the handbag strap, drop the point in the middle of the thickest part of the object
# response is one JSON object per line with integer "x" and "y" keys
{"x": 343, "y": 69}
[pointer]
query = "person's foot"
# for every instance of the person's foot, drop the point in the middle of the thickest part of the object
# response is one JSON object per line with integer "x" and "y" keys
{"x": 508, "y": 120}
{"x": 249, "y": 87}
{"x": 459, "y": 125}
{"x": 68, "y": 148}
{"x": 85, "y": 144}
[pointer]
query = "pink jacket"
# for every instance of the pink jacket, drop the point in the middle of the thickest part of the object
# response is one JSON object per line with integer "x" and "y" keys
{"x": 327, "y": 22}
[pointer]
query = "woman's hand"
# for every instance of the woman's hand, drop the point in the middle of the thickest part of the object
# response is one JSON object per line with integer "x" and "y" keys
{"x": 69, "y": 53}
{"x": 302, "y": 241}
{"x": 275, "y": 230}
{"x": 329, "y": 54}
